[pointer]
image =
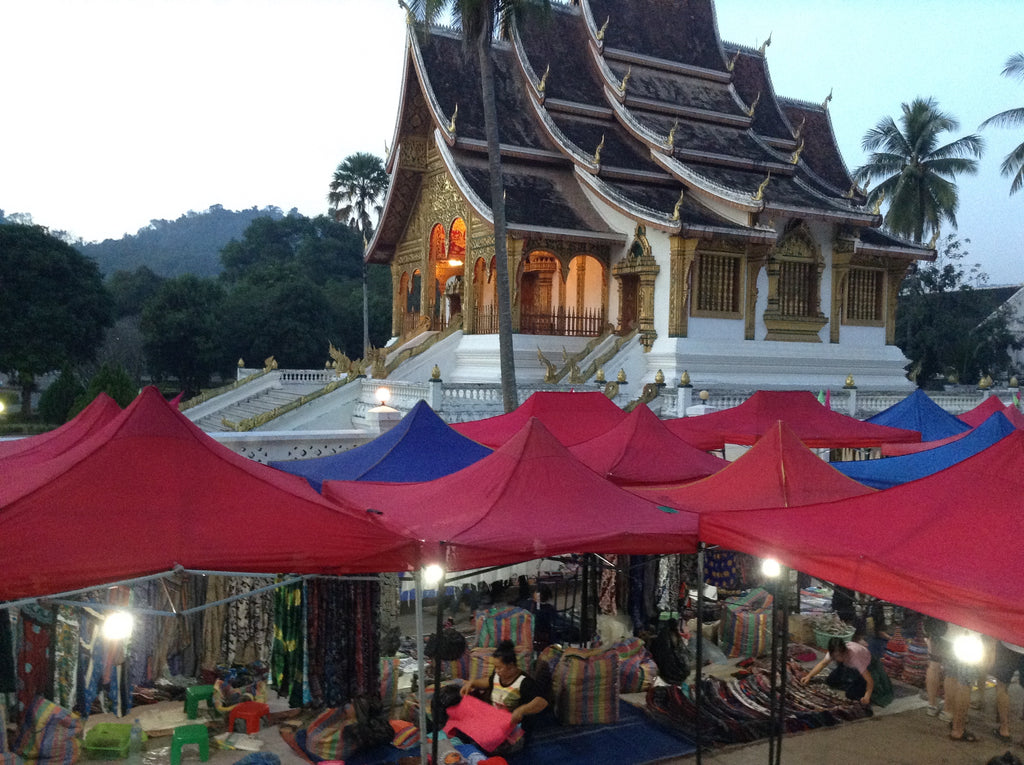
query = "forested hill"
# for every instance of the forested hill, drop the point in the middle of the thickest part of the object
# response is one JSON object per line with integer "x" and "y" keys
{"x": 189, "y": 245}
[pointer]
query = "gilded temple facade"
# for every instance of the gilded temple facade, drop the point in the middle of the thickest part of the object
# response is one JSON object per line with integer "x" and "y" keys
{"x": 654, "y": 182}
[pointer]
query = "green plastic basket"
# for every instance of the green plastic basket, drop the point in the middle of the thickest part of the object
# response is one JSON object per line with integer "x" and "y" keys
{"x": 109, "y": 741}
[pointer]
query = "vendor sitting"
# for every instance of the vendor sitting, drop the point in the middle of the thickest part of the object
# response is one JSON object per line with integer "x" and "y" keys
{"x": 857, "y": 672}
{"x": 508, "y": 687}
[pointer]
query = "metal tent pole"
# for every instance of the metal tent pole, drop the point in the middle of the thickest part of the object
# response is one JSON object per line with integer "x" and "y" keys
{"x": 421, "y": 666}
{"x": 436, "y": 705}
{"x": 699, "y": 656}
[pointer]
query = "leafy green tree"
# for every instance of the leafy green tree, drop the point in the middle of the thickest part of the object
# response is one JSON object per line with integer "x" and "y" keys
{"x": 917, "y": 174}
{"x": 54, "y": 306}
{"x": 181, "y": 331}
{"x": 131, "y": 289}
{"x": 357, "y": 189}
{"x": 947, "y": 325}
{"x": 112, "y": 379}
{"x": 1013, "y": 163}
{"x": 479, "y": 19}
{"x": 56, "y": 402}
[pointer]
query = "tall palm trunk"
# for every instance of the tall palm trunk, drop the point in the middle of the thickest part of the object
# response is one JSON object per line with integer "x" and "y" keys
{"x": 506, "y": 355}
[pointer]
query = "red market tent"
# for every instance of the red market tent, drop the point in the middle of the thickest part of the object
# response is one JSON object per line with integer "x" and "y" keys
{"x": 641, "y": 450}
{"x": 151, "y": 491}
{"x": 947, "y": 545}
{"x": 778, "y": 471}
{"x": 571, "y": 417}
{"x": 982, "y": 411}
{"x": 24, "y": 451}
{"x": 529, "y": 499}
{"x": 1013, "y": 415}
{"x": 816, "y": 425}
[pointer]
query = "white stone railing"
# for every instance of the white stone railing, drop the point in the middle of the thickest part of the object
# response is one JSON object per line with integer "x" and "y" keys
{"x": 268, "y": 446}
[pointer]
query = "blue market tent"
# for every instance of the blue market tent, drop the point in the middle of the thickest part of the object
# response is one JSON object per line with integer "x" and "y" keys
{"x": 892, "y": 471}
{"x": 918, "y": 412}
{"x": 421, "y": 447}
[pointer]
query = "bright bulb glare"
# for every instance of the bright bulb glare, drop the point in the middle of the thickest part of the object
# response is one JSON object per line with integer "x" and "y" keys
{"x": 383, "y": 395}
{"x": 118, "y": 625}
{"x": 968, "y": 649}
{"x": 771, "y": 568}
{"x": 432, "y": 574}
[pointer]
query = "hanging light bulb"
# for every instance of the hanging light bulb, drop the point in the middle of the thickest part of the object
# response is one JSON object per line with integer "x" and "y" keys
{"x": 432, "y": 574}
{"x": 118, "y": 625}
{"x": 771, "y": 568}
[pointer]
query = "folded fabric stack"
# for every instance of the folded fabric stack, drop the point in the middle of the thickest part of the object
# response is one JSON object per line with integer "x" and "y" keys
{"x": 915, "y": 662}
{"x": 736, "y": 710}
{"x": 895, "y": 654}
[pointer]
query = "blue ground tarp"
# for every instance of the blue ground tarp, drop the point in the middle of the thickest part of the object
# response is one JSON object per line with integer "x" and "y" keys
{"x": 918, "y": 412}
{"x": 892, "y": 471}
{"x": 421, "y": 447}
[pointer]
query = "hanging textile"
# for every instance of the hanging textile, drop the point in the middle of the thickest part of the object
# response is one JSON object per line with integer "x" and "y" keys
{"x": 342, "y": 620}
{"x": 213, "y": 623}
{"x": 249, "y": 625}
{"x": 390, "y": 598}
{"x": 636, "y": 591}
{"x": 287, "y": 658}
{"x": 606, "y": 597}
{"x": 668, "y": 583}
{"x": 105, "y": 678}
{"x": 65, "y": 656}
{"x": 8, "y": 678}
{"x": 145, "y": 660}
{"x": 35, "y": 671}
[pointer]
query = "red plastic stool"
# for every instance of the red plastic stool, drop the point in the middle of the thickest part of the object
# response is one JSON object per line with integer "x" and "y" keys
{"x": 250, "y": 713}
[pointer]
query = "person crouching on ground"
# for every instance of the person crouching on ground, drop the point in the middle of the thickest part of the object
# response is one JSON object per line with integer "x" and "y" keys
{"x": 508, "y": 687}
{"x": 857, "y": 673}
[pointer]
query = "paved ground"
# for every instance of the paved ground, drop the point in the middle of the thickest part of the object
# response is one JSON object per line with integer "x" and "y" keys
{"x": 893, "y": 738}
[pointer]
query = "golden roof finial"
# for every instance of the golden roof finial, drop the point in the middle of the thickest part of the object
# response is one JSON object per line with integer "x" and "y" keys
{"x": 824, "y": 104}
{"x": 934, "y": 240}
{"x": 796, "y": 154}
{"x": 599, "y": 377}
{"x": 629, "y": 73}
{"x": 621, "y": 376}
{"x": 387, "y": 150}
{"x": 672, "y": 134}
{"x": 799, "y": 129}
{"x": 435, "y": 372}
{"x": 543, "y": 84}
{"x": 679, "y": 204}
{"x": 849, "y": 382}
{"x": 753, "y": 107}
{"x": 759, "y": 194}
{"x": 597, "y": 152}
{"x": 603, "y": 29}
{"x": 877, "y": 209}
{"x": 241, "y": 363}
{"x": 684, "y": 379}
{"x": 451, "y": 122}
{"x": 731, "y": 63}
{"x": 765, "y": 44}
{"x": 659, "y": 377}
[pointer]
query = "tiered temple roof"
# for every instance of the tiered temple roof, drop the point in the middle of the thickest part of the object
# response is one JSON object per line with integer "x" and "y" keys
{"x": 639, "y": 103}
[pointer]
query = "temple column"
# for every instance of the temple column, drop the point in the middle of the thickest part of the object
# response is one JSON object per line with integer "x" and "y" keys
{"x": 682, "y": 253}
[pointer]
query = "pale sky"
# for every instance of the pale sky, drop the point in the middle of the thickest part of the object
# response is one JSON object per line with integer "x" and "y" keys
{"x": 118, "y": 112}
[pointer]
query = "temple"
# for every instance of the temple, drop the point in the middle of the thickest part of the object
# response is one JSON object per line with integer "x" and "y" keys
{"x": 656, "y": 187}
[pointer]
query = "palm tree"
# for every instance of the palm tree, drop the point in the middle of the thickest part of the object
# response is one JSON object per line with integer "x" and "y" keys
{"x": 478, "y": 20}
{"x": 1013, "y": 164}
{"x": 918, "y": 174}
{"x": 358, "y": 185}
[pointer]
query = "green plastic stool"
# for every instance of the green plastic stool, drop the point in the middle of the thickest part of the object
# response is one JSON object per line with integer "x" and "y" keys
{"x": 190, "y": 734}
{"x": 193, "y": 695}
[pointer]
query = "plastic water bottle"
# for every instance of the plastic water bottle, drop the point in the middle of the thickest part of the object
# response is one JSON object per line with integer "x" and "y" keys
{"x": 135, "y": 742}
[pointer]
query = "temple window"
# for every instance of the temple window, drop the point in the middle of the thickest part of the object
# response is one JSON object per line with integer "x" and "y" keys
{"x": 864, "y": 303}
{"x": 798, "y": 288}
{"x": 717, "y": 285}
